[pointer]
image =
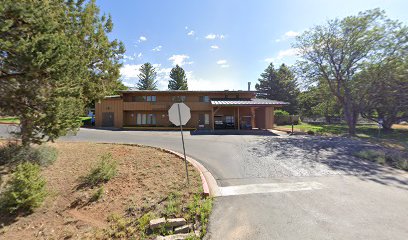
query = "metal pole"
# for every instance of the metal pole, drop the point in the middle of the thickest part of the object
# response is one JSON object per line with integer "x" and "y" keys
{"x": 182, "y": 140}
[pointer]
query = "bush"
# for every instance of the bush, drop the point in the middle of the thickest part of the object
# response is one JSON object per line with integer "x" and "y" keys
{"x": 372, "y": 155}
{"x": 200, "y": 208}
{"x": 26, "y": 189}
{"x": 16, "y": 153}
{"x": 98, "y": 194}
{"x": 281, "y": 113}
{"x": 103, "y": 172}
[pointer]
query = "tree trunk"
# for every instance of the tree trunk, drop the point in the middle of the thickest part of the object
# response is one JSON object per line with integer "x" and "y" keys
{"x": 25, "y": 131}
{"x": 350, "y": 116}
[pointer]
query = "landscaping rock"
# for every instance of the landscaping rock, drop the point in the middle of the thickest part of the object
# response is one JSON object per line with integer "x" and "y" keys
{"x": 176, "y": 222}
{"x": 157, "y": 223}
{"x": 174, "y": 237}
{"x": 183, "y": 229}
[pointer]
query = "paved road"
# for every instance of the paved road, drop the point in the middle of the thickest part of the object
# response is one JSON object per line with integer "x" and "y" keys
{"x": 288, "y": 187}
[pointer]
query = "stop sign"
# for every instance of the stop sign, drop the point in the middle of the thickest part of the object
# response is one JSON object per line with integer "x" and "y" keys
{"x": 175, "y": 117}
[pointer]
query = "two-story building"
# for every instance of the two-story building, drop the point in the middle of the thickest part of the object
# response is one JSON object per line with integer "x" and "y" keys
{"x": 209, "y": 109}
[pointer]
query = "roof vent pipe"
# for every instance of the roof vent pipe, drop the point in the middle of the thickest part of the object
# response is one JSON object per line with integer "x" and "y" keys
{"x": 249, "y": 86}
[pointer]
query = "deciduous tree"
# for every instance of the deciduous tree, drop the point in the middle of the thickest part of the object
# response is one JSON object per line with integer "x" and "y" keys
{"x": 336, "y": 51}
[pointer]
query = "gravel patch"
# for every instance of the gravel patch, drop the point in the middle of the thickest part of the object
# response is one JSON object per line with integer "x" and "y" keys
{"x": 303, "y": 156}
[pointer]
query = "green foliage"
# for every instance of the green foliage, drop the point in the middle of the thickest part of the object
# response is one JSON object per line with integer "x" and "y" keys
{"x": 334, "y": 54}
{"x": 377, "y": 156}
{"x": 144, "y": 221}
{"x": 25, "y": 191}
{"x": 147, "y": 77}
{"x": 103, "y": 172}
{"x": 173, "y": 205}
{"x": 55, "y": 58}
{"x": 178, "y": 79}
{"x": 385, "y": 87}
{"x": 279, "y": 84}
{"x": 98, "y": 194}
{"x": 395, "y": 159}
{"x": 318, "y": 101}
{"x": 281, "y": 113}
{"x": 16, "y": 153}
{"x": 201, "y": 208}
{"x": 120, "y": 228}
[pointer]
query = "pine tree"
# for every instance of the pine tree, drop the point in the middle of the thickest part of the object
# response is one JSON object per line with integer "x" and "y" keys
{"x": 147, "y": 77}
{"x": 279, "y": 84}
{"x": 178, "y": 79}
{"x": 55, "y": 57}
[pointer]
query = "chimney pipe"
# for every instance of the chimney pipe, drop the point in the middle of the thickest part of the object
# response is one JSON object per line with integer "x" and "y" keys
{"x": 249, "y": 86}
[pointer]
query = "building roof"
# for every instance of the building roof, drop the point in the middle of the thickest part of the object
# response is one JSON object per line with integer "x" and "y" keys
{"x": 186, "y": 91}
{"x": 246, "y": 102}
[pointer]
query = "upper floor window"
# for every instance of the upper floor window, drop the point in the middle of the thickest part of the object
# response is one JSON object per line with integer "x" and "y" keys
{"x": 143, "y": 98}
{"x": 151, "y": 98}
{"x": 204, "y": 99}
{"x": 179, "y": 98}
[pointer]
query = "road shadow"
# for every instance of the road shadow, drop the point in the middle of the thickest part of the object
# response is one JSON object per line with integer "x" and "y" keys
{"x": 254, "y": 132}
{"x": 338, "y": 154}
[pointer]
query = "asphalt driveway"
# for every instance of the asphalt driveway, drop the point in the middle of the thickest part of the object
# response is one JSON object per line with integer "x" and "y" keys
{"x": 287, "y": 187}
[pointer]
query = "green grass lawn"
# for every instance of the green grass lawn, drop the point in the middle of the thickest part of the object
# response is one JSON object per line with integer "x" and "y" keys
{"x": 397, "y": 137}
{"x": 9, "y": 120}
{"x": 17, "y": 121}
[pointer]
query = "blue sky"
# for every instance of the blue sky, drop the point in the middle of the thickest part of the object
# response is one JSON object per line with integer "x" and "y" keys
{"x": 222, "y": 44}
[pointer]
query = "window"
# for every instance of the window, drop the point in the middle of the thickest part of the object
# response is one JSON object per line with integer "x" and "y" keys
{"x": 179, "y": 98}
{"x": 146, "y": 119}
{"x": 151, "y": 98}
{"x": 204, "y": 99}
{"x": 143, "y": 98}
{"x": 229, "y": 119}
{"x": 206, "y": 118}
{"x": 138, "y": 98}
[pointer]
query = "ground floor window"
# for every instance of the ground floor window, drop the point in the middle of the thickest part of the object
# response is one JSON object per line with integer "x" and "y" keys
{"x": 146, "y": 119}
{"x": 229, "y": 119}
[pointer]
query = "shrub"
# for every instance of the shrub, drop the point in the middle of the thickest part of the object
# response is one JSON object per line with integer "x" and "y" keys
{"x": 98, "y": 194}
{"x": 201, "y": 208}
{"x": 120, "y": 227}
{"x": 103, "y": 172}
{"x": 310, "y": 132}
{"x": 16, "y": 153}
{"x": 26, "y": 189}
{"x": 372, "y": 155}
{"x": 144, "y": 221}
{"x": 173, "y": 205}
{"x": 281, "y": 113}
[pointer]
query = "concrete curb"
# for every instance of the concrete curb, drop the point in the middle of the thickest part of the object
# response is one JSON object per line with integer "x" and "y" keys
{"x": 210, "y": 186}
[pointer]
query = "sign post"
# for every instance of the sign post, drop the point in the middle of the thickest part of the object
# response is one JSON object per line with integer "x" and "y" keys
{"x": 179, "y": 114}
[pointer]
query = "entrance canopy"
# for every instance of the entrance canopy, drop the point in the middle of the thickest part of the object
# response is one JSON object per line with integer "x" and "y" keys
{"x": 249, "y": 102}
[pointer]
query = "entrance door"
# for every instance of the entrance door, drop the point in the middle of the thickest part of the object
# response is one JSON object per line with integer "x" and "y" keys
{"x": 203, "y": 120}
{"x": 107, "y": 119}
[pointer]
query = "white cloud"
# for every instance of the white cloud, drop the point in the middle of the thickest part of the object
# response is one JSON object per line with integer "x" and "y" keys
{"x": 127, "y": 57}
{"x": 287, "y": 35}
{"x": 213, "y": 36}
{"x": 157, "y": 49}
{"x": 214, "y": 47}
{"x": 142, "y": 39}
{"x": 140, "y": 55}
{"x": 130, "y": 72}
{"x": 179, "y": 59}
{"x": 222, "y": 62}
{"x": 283, "y": 54}
{"x": 225, "y": 65}
{"x": 191, "y": 33}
